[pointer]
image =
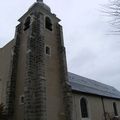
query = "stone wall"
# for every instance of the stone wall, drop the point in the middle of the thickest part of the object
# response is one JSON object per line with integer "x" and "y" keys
{"x": 39, "y": 85}
{"x": 99, "y": 108}
{"x": 35, "y": 83}
{"x": 11, "y": 83}
{"x": 67, "y": 93}
{"x": 6, "y": 54}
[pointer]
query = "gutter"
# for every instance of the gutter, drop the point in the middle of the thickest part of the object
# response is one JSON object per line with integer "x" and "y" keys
{"x": 103, "y": 108}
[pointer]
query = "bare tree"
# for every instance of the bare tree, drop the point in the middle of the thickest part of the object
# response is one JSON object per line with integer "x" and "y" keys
{"x": 113, "y": 10}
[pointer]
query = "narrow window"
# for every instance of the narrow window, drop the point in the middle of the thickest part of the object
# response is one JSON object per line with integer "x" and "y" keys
{"x": 22, "y": 99}
{"x": 47, "y": 50}
{"x": 84, "y": 110}
{"x": 115, "y": 109}
{"x": 27, "y": 23}
{"x": 48, "y": 23}
{"x": 12, "y": 51}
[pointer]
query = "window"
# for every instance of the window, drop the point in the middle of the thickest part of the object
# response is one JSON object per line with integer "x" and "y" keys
{"x": 84, "y": 110}
{"x": 22, "y": 99}
{"x": 27, "y": 23}
{"x": 115, "y": 109}
{"x": 48, "y": 23}
{"x": 47, "y": 50}
{"x": 12, "y": 51}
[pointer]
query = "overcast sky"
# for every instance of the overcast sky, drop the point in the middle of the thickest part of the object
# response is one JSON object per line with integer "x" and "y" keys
{"x": 91, "y": 51}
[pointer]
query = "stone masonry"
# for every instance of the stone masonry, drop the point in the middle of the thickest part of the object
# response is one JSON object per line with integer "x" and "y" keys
{"x": 34, "y": 80}
{"x": 35, "y": 83}
{"x": 11, "y": 84}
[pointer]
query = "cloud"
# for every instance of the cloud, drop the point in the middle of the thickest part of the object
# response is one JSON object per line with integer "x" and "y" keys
{"x": 90, "y": 51}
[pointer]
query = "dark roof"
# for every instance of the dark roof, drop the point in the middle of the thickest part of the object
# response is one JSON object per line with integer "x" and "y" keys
{"x": 82, "y": 84}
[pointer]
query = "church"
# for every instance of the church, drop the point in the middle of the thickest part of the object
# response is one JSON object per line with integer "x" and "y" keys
{"x": 35, "y": 83}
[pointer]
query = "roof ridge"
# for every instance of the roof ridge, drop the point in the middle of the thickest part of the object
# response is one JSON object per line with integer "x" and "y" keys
{"x": 96, "y": 88}
{"x": 93, "y": 80}
{"x": 86, "y": 85}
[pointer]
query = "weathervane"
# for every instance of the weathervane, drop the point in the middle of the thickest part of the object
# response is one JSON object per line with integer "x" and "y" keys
{"x": 39, "y": 0}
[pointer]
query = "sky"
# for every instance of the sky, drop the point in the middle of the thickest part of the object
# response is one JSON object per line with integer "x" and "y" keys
{"x": 92, "y": 49}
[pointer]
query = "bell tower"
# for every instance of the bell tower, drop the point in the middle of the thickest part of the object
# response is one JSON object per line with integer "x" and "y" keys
{"x": 39, "y": 77}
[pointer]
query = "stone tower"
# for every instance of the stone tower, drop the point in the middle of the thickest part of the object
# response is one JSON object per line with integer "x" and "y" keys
{"x": 38, "y": 88}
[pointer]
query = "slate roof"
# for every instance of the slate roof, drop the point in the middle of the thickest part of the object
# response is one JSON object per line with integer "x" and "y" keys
{"x": 85, "y": 85}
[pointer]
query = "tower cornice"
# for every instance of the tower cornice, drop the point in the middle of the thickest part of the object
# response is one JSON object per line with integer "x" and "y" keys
{"x": 39, "y": 0}
{"x": 40, "y": 6}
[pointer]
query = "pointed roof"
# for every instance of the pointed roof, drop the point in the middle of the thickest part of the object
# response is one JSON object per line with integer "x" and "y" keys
{"x": 39, "y": 0}
{"x": 39, "y": 5}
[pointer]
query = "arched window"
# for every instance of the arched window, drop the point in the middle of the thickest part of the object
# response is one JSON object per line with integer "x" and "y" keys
{"x": 115, "y": 109}
{"x": 27, "y": 23}
{"x": 84, "y": 110}
{"x": 48, "y": 23}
